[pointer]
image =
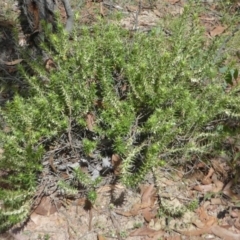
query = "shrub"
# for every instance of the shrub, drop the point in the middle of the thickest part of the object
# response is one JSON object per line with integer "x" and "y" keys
{"x": 153, "y": 96}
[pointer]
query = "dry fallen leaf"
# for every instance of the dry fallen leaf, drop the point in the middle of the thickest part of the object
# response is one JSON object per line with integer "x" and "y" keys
{"x": 210, "y": 226}
{"x": 196, "y": 232}
{"x": 47, "y": 207}
{"x": 133, "y": 212}
{"x": 132, "y": 8}
{"x": 145, "y": 231}
{"x": 12, "y": 63}
{"x": 207, "y": 179}
{"x": 237, "y": 223}
{"x": 51, "y": 163}
{"x": 108, "y": 188}
{"x": 50, "y": 65}
{"x": 205, "y": 218}
{"x": 204, "y": 188}
{"x": 220, "y": 166}
{"x": 146, "y": 206}
{"x": 148, "y": 192}
{"x": 101, "y": 237}
{"x": 90, "y": 118}
{"x": 218, "y": 185}
{"x": 116, "y": 163}
{"x": 218, "y": 30}
{"x": 228, "y": 192}
{"x": 206, "y": 18}
{"x": 148, "y": 199}
{"x": 218, "y": 201}
{"x": 148, "y": 216}
{"x": 224, "y": 233}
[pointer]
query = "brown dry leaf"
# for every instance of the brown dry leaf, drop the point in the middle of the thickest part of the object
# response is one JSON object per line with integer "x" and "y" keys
{"x": 234, "y": 213}
{"x": 214, "y": 229}
{"x": 90, "y": 118}
{"x": 80, "y": 202}
{"x": 218, "y": 201}
{"x": 116, "y": 163}
{"x": 148, "y": 199}
{"x": 195, "y": 176}
{"x": 47, "y": 207}
{"x": 237, "y": 223}
{"x": 108, "y": 188}
{"x": 100, "y": 237}
{"x": 98, "y": 103}
{"x": 204, "y": 188}
{"x": 200, "y": 165}
{"x": 145, "y": 231}
{"x": 208, "y": 222}
{"x": 206, "y": 18}
{"x": 132, "y": 8}
{"x": 50, "y": 65}
{"x": 224, "y": 233}
{"x": 157, "y": 13}
{"x": 148, "y": 195}
{"x": 133, "y": 212}
{"x": 207, "y": 179}
{"x": 205, "y": 218}
{"x": 218, "y": 30}
{"x": 147, "y": 214}
{"x": 51, "y": 163}
{"x": 218, "y": 185}
{"x": 228, "y": 192}
{"x": 12, "y": 63}
{"x": 219, "y": 166}
{"x": 196, "y": 232}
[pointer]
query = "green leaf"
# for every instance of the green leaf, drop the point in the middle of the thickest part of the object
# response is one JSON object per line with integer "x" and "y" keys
{"x": 235, "y": 74}
{"x": 223, "y": 69}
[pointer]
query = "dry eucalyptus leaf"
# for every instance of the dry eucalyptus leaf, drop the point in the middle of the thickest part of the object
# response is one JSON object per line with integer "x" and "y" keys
{"x": 228, "y": 192}
{"x": 50, "y": 65}
{"x": 101, "y": 237}
{"x": 207, "y": 179}
{"x": 145, "y": 231}
{"x": 116, "y": 163}
{"x": 204, "y": 217}
{"x": 218, "y": 30}
{"x": 47, "y": 207}
{"x": 147, "y": 214}
{"x": 12, "y": 63}
{"x": 148, "y": 193}
{"x": 133, "y": 212}
{"x": 90, "y": 118}
{"x": 204, "y": 188}
{"x": 218, "y": 185}
{"x": 224, "y": 233}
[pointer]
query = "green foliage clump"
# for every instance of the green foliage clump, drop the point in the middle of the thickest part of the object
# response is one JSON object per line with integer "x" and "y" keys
{"x": 154, "y": 97}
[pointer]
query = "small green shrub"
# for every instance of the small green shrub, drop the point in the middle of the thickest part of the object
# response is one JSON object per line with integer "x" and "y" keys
{"x": 161, "y": 99}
